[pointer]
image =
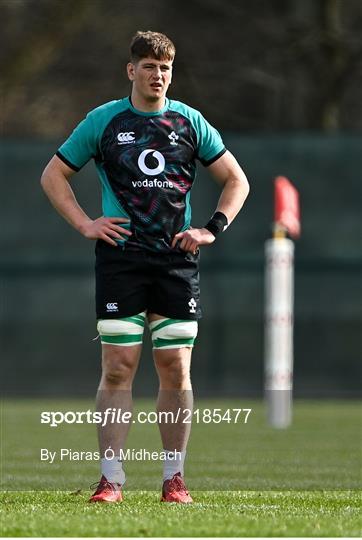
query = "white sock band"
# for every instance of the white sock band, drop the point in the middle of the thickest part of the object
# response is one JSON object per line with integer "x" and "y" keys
{"x": 112, "y": 469}
{"x": 173, "y": 464}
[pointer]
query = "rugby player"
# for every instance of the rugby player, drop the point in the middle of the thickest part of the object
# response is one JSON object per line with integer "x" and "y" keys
{"x": 145, "y": 147}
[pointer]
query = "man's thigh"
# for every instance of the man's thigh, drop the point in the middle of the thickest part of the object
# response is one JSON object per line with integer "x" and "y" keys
{"x": 176, "y": 287}
{"x": 122, "y": 282}
{"x": 129, "y": 282}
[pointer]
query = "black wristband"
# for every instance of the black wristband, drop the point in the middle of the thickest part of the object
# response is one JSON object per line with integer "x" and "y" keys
{"x": 217, "y": 223}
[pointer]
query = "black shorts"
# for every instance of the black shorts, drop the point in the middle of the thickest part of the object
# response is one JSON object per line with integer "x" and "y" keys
{"x": 129, "y": 282}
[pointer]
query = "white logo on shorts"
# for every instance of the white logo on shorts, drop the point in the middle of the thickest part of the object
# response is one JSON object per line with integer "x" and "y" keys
{"x": 156, "y": 170}
{"x": 192, "y": 305}
{"x": 112, "y": 306}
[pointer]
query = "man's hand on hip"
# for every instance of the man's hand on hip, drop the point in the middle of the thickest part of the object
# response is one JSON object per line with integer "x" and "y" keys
{"x": 106, "y": 228}
{"x": 191, "y": 239}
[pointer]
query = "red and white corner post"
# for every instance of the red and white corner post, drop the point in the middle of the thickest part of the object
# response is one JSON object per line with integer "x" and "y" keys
{"x": 279, "y": 305}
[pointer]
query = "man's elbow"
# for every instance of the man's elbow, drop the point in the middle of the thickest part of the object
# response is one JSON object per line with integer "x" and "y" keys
{"x": 46, "y": 181}
{"x": 49, "y": 174}
{"x": 244, "y": 185}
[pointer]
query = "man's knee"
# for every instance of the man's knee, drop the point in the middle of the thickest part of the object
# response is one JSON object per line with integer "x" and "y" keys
{"x": 173, "y": 368}
{"x": 119, "y": 365}
{"x": 170, "y": 337}
{"x": 117, "y": 375}
{"x": 121, "y": 340}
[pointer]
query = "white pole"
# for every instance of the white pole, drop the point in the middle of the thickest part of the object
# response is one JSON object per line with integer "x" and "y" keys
{"x": 278, "y": 343}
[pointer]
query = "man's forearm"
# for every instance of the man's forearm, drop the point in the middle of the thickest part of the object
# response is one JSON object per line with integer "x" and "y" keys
{"x": 233, "y": 196}
{"x": 227, "y": 171}
{"x": 61, "y": 195}
{"x": 55, "y": 182}
{"x": 235, "y": 186}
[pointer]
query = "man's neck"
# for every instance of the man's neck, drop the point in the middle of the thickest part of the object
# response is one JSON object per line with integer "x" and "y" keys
{"x": 147, "y": 106}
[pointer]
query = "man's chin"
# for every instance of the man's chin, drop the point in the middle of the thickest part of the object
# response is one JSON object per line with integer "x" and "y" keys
{"x": 154, "y": 99}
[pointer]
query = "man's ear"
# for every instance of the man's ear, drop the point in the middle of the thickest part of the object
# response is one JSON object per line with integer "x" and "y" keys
{"x": 171, "y": 74}
{"x": 130, "y": 71}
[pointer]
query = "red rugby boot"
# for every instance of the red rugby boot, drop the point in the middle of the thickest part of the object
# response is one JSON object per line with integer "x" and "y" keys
{"x": 174, "y": 490}
{"x": 107, "y": 492}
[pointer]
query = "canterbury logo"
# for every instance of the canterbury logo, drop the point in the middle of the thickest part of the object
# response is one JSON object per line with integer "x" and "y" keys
{"x": 160, "y": 167}
{"x": 112, "y": 306}
{"x": 126, "y": 138}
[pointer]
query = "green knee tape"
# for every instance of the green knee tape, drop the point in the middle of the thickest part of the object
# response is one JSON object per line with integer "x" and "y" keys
{"x": 123, "y": 332}
{"x": 173, "y": 333}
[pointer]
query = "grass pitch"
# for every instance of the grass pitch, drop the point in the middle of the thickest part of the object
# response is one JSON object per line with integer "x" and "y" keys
{"x": 246, "y": 479}
{"x": 213, "y": 514}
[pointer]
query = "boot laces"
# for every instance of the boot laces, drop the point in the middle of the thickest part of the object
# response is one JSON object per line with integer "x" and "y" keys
{"x": 177, "y": 484}
{"x": 102, "y": 485}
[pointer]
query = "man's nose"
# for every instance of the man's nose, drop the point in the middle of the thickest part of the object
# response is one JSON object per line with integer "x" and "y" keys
{"x": 157, "y": 72}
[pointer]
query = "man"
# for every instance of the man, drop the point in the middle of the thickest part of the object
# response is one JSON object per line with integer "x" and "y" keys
{"x": 145, "y": 147}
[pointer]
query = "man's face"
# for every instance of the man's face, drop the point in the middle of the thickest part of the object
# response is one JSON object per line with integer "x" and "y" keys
{"x": 151, "y": 78}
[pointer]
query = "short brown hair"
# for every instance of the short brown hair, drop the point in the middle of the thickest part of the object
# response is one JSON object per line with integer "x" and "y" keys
{"x": 151, "y": 44}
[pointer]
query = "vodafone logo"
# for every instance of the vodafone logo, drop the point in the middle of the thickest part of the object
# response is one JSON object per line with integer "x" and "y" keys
{"x": 160, "y": 167}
